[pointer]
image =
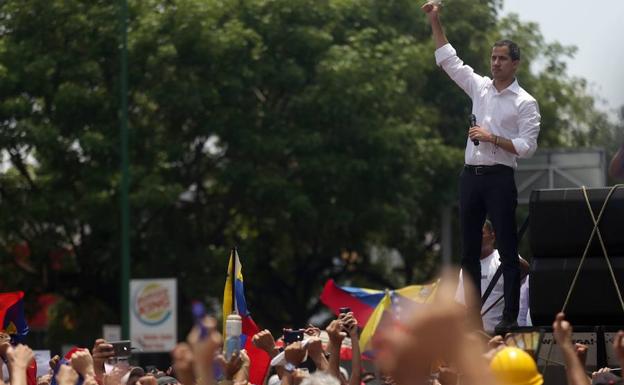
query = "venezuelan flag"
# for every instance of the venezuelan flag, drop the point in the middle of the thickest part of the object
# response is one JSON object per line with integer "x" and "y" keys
{"x": 375, "y": 308}
{"x": 12, "y": 320}
{"x": 390, "y": 309}
{"x": 234, "y": 298}
{"x": 361, "y": 301}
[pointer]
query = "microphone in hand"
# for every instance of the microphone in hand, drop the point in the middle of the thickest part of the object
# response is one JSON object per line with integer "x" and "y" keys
{"x": 473, "y": 122}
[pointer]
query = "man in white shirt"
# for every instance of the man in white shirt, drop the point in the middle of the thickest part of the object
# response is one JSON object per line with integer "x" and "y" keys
{"x": 616, "y": 167}
{"x": 507, "y": 126}
{"x": 492, "y": 309}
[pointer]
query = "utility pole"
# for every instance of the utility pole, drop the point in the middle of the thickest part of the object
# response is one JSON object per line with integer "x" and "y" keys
{"x": 125, "y": 173}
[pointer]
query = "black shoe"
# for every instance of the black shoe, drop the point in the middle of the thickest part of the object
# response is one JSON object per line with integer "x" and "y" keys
{"x": 505, "y": 326}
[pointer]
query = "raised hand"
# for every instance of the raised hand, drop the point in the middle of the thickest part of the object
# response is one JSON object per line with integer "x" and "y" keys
{"x": 242, "y": 376}
{"x": 312, "y": 330}
{"x": 294, "y": 353}
{"x": 335, "y": 333}
{"x": 350, "y": 324}
{"x": 315, "y": 350}
{"x": 82, "y": 362}
{"x": 19, "y": 357}
{"x": 562, "y": 330}
{"x": 46, "y": 379}
{"x": 431, "y": 7}
{"x": 314, "y": 346}
{"x": 204, "y": 349}
{"x": 66, "y": 375}
{"x": 54, "y": 361}
{"x": 581, "y": 352}
{"x": 264, "y": 340}
{"x": 231, "y": 367}
{"x": 101, "y": 352}
{"x": 182, "y": 363}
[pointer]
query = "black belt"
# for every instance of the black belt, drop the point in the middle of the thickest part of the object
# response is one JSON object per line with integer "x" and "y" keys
{"x": 484, "y": 170}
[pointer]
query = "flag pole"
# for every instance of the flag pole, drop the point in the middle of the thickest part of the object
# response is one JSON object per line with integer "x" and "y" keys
{"x": 234, "y": 259}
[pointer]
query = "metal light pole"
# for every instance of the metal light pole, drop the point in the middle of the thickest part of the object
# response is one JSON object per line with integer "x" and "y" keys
{"x": 125, "y": 174}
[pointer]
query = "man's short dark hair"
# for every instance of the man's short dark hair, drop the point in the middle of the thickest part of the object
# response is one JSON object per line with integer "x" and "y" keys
{"x": 514, "y": 50}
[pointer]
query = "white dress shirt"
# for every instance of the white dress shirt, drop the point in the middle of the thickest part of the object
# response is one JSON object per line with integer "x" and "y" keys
{"x": 524, "y": 314}
{"x": 489, "y": 265}
{"x": 512, "y": 113}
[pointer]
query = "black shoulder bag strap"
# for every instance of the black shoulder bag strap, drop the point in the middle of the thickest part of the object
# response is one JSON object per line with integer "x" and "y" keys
{"x": 490, "y": 287}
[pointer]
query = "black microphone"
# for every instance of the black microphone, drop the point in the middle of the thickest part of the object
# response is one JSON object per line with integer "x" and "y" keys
{"x": 473, "y": 122}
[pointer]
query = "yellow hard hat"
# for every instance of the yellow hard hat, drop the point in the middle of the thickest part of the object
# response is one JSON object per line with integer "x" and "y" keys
{"x": 513, "y": 366}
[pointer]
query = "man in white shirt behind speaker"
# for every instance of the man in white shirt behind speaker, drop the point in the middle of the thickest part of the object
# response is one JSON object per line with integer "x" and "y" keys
{"x": 492, "y": 308}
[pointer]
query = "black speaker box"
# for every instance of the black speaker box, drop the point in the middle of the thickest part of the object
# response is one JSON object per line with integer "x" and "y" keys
{"x": 560, "y": 227}
{"x": 594, "y": 299}
{"x": 561, "y": 224}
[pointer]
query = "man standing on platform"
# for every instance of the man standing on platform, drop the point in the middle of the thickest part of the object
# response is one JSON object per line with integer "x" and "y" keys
{"x": 507, "y": 126}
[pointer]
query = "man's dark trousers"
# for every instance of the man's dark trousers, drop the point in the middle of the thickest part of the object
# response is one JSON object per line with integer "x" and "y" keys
{"x": 491, "y": 191}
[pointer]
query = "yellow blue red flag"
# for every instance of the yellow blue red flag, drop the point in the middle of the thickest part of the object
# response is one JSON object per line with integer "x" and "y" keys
{"x": 12, "y": 319}
{"x": 234, "y": 299}
{"x": 372, "y": 308}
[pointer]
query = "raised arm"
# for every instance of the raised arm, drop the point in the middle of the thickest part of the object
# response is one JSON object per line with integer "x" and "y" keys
{"x": 336, "y": 335}
{"x": 356, "y": 356}
{"x": 562, "y": 331}
{"x": 446, "y": 56}
{"x": 432, "y": 10}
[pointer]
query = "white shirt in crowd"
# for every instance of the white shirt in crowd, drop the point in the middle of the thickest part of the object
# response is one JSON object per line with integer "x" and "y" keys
{"x": 489, "y": 265}
{"x": 512, "y": 113}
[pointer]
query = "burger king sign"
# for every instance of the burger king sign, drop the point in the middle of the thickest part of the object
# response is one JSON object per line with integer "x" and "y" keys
{"x": 153, "y": 314}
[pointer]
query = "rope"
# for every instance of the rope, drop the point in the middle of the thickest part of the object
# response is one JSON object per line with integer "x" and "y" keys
{"x": 591, "y": 237}
{"x": 604, "y": 251}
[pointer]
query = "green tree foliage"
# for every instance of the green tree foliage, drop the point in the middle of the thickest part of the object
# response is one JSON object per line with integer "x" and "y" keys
{"x": 318, "y": 136}
{"x": 569, "y": 115}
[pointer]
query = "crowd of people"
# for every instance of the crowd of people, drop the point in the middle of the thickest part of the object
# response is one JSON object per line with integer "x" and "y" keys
{"x": 437, "y": 344}
{"x": 443, "y": 343}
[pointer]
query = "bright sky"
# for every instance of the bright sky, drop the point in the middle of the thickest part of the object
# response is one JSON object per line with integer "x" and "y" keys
{"x": 595, "y": 28}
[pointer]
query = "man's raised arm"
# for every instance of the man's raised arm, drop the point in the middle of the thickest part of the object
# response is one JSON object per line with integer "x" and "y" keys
{"x": 432, "y": 10}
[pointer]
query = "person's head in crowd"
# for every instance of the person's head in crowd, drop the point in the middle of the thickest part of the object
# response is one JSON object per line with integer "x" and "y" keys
{"x": 167, "y": 380}
{"x": 488, "y": 244}
{"x": 132, "y": 376}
